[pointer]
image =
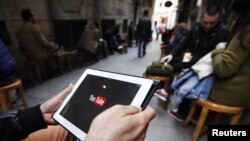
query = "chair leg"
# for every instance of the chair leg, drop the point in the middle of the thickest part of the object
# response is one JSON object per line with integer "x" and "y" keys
{"x": 22, "y": 96}
{"x": 235, "y": 119}
{"x": 3, "y": 103}
{"x": 200, "y": 124}
{"x": 190, "y": 115}
{"x": 37, "y": 72}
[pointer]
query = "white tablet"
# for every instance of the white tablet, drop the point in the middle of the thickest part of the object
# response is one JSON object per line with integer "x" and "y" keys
{"x": 96, "y": 91}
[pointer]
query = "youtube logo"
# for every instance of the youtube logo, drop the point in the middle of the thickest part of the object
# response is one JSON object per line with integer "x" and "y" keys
{"x": 98, "y": 100}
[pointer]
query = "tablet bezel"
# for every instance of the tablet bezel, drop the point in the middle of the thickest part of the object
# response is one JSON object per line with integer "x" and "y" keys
{"x": 145, "y": 83}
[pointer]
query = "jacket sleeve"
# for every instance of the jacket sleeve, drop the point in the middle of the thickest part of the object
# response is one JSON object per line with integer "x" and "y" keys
{"x": 181, "y": 45}
{"x": 41, "y": 38}
{"x": 19, "y": 124}
{"x": 228, "y": 62}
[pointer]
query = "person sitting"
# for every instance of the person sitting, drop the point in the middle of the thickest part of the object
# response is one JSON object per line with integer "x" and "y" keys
{"x": 33, "y": 43}
{"x": 230, "y": 61}
{"x": 8, "y": 68}
{"x": 128, "y": 122}
{"x": 87, "y": 44}
{"x": 202, "y": 39}
{"x": 179, "y": 36}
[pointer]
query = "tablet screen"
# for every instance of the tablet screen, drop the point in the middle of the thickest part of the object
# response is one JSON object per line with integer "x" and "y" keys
{"x": 94, "y": 95}
{"x": 96, "y": 91}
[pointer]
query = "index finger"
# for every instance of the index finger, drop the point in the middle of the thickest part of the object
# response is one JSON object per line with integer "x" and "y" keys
{"x": 62, "y": 95}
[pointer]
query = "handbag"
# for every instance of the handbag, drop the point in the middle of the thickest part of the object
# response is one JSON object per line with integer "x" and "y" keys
{"x": 159, "y": 69}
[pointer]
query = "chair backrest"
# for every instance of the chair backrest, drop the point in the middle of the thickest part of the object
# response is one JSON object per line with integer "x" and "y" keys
{"x": 219, "y": 107}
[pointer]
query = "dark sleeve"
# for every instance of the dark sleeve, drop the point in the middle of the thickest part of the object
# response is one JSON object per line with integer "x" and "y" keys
{"x": 181, "y": 45}
{"x": 223, "y": 34}
{"x": 18, "y": 125}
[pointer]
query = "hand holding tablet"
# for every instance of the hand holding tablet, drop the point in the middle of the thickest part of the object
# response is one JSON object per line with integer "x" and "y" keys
{"x": 125, "y": 123}
{"x": 97, "y": 91}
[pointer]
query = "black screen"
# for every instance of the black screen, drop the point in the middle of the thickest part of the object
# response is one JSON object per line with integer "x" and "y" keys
{"x": 94, "y": 95}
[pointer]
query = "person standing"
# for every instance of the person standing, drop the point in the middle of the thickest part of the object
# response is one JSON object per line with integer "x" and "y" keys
{"x": 143, "y": 33}
{"x": 157, "y": 30}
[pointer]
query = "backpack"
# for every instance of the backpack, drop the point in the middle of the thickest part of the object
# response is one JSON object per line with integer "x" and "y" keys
{"x": 159, "y": 69}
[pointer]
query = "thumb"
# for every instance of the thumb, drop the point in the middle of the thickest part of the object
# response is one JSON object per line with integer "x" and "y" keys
{"x": 51, "y": 106}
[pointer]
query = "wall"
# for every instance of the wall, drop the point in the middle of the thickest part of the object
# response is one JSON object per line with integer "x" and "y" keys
{"x": 65, "y": 13}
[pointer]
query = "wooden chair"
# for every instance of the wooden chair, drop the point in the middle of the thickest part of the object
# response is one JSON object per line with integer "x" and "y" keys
{"x": 208, "y": 105}
{"x": 165, "y": 79}
{"x": 17, "y": 84}
{"x": 37, "y": 68}
{"x": 64, "y": 59}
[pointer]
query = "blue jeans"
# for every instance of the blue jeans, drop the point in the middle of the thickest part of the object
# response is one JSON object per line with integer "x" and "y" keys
{"x": 142, "y": 47}
{"x": 187, "y": 88}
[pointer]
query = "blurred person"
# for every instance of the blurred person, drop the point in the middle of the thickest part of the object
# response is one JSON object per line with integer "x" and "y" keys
{"x": 102, "y": 49}
{"x": 202, "y": 39}
{"x": 128, "y": 123}
{"x": 130, "y": 34}
{"x": 231, "y": 62}
{"x": 108, "y": 37}
{"x": 33, "y": 43}
{"x": 231, "y": 65}
{"x": 8, "y": 68}
{"x": 178, "y": 38}
{"x": 87, "y": 44}
{"x": 143, "y": 33}
{"x": 157, "y": 30}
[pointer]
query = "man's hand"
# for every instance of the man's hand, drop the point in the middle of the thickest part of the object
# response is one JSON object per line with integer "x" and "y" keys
{"x": 167, "y": 58}
{"x": 54, "y": 46}
{"x": 51, "y": 105}
{"x": 121, "y": 123}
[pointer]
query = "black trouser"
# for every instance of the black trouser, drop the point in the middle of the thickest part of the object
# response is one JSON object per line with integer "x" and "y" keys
{"x": 184, "y": 107}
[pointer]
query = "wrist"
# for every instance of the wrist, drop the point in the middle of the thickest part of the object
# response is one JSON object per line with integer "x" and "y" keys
{"x": 44, "y": 113}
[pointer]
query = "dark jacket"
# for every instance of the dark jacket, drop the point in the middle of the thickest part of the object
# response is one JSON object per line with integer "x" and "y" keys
{"x": 179, "y": 39}
{"x": 7, "y": 62}
{"x": 200, "y": 43}
{"x": 18, "y": 125}
{"x": 144, "y": 28}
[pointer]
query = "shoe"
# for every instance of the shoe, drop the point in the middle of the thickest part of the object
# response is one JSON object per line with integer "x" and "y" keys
{"x": 174, "y": 114}
{"x": 162, "y": 94}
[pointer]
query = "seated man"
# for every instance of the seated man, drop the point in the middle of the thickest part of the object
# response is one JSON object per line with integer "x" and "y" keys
{"x": 201, "y": 39}
{"x": 33, "y": 42}
{"x": 87, "y": 44}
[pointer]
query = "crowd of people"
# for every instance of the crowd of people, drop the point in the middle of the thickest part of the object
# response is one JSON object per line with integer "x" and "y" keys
{"x": 230, "y": 61}
{"x": 229, "y": 53}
